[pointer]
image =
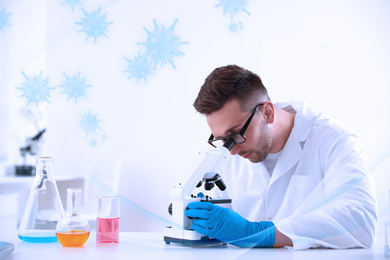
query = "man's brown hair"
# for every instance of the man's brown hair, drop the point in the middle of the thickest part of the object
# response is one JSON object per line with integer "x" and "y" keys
{"x": 227, "y": 83}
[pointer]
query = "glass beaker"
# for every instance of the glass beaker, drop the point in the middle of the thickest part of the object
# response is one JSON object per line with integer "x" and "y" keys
{"x": 107, "y": 224}
{"x": 44, "y": 208}
{"x": 73, "y": 229}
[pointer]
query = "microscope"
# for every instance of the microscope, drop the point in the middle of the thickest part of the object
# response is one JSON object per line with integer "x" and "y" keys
{"x": 32, "y": 148}
{"x": 206, "y": 173}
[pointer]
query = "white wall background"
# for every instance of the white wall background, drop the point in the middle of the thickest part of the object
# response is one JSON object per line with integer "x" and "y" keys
{"x": 334, "y": 54}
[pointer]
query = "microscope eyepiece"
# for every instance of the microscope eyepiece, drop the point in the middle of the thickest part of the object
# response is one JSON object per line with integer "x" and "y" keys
{"x": 230, "y": 142}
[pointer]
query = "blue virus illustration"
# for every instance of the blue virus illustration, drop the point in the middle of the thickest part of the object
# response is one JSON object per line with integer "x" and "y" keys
{"x": 71, "y": 3}
{"x": 4, "y": 21}
{"x": 235, "y": 27}
{"x": 93, "y": 143}
{"x": 162, "y": 45}
{"x": 94, "y": 24}
{"x": 140, "y": 67}
{"x": 35, "y": 89}
{"x": 233, "y": 7}
{"x": 89, "y": 123}
{"x": 74, "y": 87}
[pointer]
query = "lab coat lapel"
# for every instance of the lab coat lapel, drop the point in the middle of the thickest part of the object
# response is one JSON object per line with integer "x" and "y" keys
{"x": 293, "y": 149}
{"x": 290, "y": 155}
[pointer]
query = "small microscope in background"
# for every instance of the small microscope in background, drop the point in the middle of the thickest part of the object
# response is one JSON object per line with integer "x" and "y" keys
{"x": 32, "y": 148}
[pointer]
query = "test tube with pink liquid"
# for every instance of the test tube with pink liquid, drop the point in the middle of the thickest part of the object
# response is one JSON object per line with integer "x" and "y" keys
{"x": 107, "y": 224}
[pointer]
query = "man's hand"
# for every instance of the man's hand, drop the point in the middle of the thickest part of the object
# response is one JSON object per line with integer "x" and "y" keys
{"x": 228, "y": 226}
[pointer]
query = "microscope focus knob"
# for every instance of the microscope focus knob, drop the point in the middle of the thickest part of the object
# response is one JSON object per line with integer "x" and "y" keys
{"x": 170, "y": 209}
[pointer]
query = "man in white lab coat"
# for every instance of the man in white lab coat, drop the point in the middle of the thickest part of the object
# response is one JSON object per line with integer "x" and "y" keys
{"x": 296, "y": 177}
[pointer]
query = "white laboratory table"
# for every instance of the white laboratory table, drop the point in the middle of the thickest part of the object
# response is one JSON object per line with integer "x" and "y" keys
{"x": 151, "y": 246}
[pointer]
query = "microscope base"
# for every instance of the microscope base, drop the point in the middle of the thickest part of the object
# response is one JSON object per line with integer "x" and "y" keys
{"x": 24, "y": 170}
{"x": 189, "y": 238}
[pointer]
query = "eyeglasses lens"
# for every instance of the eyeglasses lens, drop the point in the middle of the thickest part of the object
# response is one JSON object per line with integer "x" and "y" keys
{"x": 237, "y": 137}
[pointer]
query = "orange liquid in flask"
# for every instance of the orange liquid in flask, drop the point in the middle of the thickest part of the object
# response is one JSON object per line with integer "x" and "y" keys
{"x": 72, "y": 238}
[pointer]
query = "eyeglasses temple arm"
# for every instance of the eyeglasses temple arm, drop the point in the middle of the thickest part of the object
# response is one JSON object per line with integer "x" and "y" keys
{"x": 243, "y": 129}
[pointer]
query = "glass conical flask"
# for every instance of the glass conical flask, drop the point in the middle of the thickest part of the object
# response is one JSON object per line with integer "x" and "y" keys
{"x": 73, "y": 229}
{"x": 44, "y": 208}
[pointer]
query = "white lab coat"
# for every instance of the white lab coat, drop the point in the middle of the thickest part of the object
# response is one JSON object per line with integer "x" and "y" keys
{"x": 320, "y": 193}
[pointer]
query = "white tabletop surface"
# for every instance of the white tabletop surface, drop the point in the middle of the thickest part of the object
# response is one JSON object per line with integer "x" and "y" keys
{"x": 151, "y": 246}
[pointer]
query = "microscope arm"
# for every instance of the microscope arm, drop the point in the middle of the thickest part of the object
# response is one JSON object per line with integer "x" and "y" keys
{"x": 211, "y": 164}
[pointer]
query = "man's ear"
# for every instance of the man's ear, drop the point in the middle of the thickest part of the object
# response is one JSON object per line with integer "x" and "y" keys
{"x": 269, "y": 112}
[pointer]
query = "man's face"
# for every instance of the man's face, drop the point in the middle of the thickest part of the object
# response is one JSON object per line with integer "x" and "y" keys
{"x": 230, "y": 119}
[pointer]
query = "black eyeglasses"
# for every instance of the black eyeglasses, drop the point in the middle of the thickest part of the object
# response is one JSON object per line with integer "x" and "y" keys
{"x": 238, "y": 137}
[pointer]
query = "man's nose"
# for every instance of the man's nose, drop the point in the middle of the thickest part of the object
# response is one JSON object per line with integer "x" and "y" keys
{"x": 235, "y": 150}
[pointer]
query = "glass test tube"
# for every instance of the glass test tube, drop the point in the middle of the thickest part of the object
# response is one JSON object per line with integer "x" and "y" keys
{"x": 107, "y": 224}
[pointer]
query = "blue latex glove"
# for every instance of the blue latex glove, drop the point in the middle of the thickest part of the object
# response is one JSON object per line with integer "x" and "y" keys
{"x": 228, "y": 226}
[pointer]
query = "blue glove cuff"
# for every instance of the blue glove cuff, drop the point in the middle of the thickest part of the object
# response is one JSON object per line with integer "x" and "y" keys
{"x": 267, "y": 234}
{"x": 263, "y": 235}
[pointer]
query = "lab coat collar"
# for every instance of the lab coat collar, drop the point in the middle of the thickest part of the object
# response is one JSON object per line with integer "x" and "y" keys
{"x": 293, "y": 149}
